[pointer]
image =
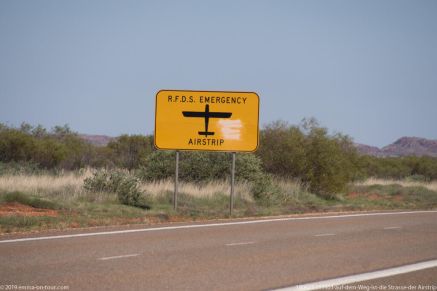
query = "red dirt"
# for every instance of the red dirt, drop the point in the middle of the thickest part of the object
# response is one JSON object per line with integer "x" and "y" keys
{"x": 74, "y": 224}
{"x": 369, "y": 196}
{"x": 353, "y": 195}
{"x": 374, "y": 196}
{"x": 18, "y": 209}
{"x": 398, "y": 198}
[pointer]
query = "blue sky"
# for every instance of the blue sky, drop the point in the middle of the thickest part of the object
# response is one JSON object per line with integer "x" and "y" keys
{"x": 364, "y": 68}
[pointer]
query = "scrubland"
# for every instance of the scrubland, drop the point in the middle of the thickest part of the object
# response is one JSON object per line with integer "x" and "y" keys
{"x": 53, "y": 179}
{"x": 59, "y": 201}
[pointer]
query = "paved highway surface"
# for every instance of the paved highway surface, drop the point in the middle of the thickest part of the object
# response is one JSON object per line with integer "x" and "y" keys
{"x": 238, "y": 255}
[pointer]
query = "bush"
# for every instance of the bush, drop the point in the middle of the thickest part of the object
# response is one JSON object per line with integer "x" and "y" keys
{"x": 159, "y": 165}
{"x": 200, "y": 166}
{"x": 416, "y": 178}
{"x": 325, "y": 163}
{"x": 15, "y": 146}
{"x": 61, "y": 148}
{"x": 99, "y": 182}
{"x": 282, "y": 150}
{"x": 129, "y": 194}
{"x": 129, "y": 151}
{"x": 208, "y": 166}
{"x": 20, "y": 168}
{"x": 122, "y": 183}
{"x": 328, "y": 168}
{"x": 412, "y": 168}
{"x": 264, "y": 190}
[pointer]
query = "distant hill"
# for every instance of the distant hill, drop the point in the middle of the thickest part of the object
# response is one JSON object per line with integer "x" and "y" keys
{"x": 405, "y": 146}
{"x": 97, "y": 140}
{"x": 369, "y": 150}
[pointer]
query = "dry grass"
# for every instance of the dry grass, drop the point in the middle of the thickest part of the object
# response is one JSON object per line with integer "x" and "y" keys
{"x": 204, "y": 190}
{"x": 66, "y": 186}
{"x": 69, "y": 186}
{"x": 373, "y": 181}
{"x": 293, "y": 189}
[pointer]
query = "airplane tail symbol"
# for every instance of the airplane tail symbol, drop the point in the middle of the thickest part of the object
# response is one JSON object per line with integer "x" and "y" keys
{"x": 206, "y": 133}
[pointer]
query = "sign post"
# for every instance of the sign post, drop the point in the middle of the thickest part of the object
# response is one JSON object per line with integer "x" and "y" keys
{"x": 231, "y": 203}
{"x": 206, "y": 121}
{"x": 176, "y": 182}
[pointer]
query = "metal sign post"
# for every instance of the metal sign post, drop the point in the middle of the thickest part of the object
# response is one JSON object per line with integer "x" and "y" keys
{"x": 231, "y": 202}
{"x": 176, "y": 182}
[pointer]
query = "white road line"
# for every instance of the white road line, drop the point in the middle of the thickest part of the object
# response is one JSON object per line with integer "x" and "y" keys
{"x": 118, "y": 257}
{"x": 392, "y": 227}
{"x": 213, "y": 225}
{"x": 240, "y": 244}
{"x": 362, "y": 277}
{"x": 325, "y": 234}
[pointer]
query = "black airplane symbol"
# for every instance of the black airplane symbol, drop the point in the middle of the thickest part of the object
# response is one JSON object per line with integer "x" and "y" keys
{"x": 207, "y": 115}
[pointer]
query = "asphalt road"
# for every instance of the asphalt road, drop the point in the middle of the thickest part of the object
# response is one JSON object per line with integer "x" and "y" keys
{"x": 242, "y": 255}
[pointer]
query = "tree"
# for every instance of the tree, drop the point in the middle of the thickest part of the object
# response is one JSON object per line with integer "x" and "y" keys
{"x": 48, "y": 153}
{"x": 15, "y": 146}
{"x": 130, "y": 151}
{"x": 329, "y": 167}
{"x": 326, "y": 163}
{"x": 282, "y": 149}
{"x": 39, "y": 131}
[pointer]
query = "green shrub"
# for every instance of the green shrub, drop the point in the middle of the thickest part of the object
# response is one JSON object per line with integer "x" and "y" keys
{"x": 105, "y": 180}
{"x": 412, "y": 168}
{"x": 248, "y": 167}
{"x": 200, "y": 166}
{"x": 264, "y": 190}
{"x": 328, "y": 169}
{"x": 129, "y": 193}
{"x": 416, "y": 178}
{"x": 61, "y": 148}
{"x": 208, "y": 166}
{"x": 99, "y": 182}
{"x": 325, "y": 163}
{"x": 129, "y": 151}
{"x": 122, "y": 183}
{"x": 20, "y": 168}
{"x": 282, "y": 150}
{"x": 159, "y": 165}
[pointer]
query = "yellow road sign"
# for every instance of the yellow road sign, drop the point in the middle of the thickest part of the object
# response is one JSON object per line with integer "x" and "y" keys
{"x": 206, "y": 120}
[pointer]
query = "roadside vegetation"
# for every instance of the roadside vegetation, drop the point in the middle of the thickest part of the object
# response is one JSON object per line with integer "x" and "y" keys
{"x": 55, "y": 180}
